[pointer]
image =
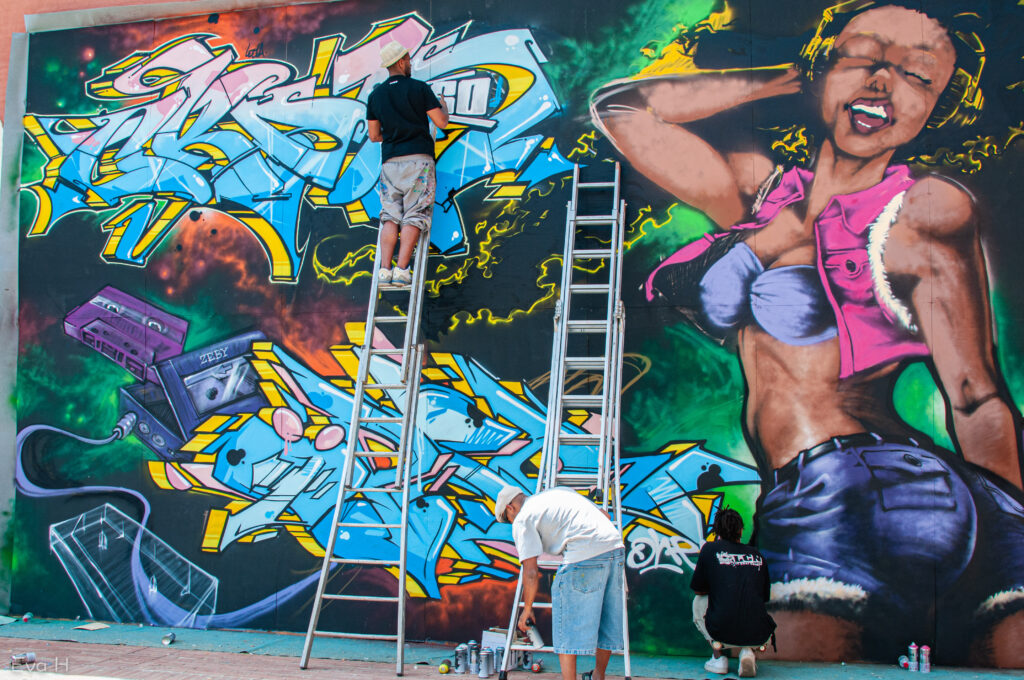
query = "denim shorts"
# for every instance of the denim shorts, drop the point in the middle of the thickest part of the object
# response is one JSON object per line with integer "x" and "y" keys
{"x": 587, "y": 604}
{"x": 914, "y": 540}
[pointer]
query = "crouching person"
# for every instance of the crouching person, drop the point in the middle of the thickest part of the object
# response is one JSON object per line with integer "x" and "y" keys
{"x": 586, "y": 598}
{"x": 732, "y": 585}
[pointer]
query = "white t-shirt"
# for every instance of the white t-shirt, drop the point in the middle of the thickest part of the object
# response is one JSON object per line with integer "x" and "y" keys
{"x": 562, "y": 522}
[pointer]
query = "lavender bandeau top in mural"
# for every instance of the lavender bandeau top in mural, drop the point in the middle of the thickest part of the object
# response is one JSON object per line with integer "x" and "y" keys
{"x": 850, "y": 233}
{"x": 789, "y": 302}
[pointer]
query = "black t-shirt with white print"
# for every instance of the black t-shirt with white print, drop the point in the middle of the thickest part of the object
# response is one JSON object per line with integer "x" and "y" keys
{"x": 736, "y": 580}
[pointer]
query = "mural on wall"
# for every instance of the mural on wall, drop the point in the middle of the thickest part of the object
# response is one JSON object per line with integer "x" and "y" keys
{"x": 822, "y": 321}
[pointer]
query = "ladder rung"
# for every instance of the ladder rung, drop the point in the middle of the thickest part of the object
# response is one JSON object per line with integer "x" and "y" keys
{"x": 591, "y": 253}
{"x": 356, "y": 636}
{"x": 579, "y": 439}
{"x": 583, "y": 400}
{"x": 380, "y": 419}
{"x": 531, "y": 648}
{"x": 370, "y": 489}
{"x": 385, "y": 350}
{"x": 367, "y": 525}
{"x": 577, "y": 480}
{"x": 361, "y": 598}
{"x": 394, "y": 286}
{"x": 375, "y": 454}
{"x": 385, "y": 386}
{"x": 587, "y": 326}
{"x": 390, "y": 319}
{"x": 538, "y": 605}
{"x": 597, "y": 185}
{"x": 585, "y": 363}
{"x": 366, "y": 563}
{"x": 595, "y": 219}
{"x": 589, "y": 288}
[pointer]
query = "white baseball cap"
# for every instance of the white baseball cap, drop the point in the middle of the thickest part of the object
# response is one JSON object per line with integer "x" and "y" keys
{"x": 505, "y": 496}
{"x": 391, "y": 53}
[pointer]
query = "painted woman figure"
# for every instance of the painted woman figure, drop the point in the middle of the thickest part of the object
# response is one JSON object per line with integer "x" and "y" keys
{"x": 828, "y": 278}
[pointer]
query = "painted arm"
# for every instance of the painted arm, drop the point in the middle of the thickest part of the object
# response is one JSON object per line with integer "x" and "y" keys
{"x": 373, "y": 129}
{"x": 531, "y": 578}
{"x": 937, "y": 252}
{"x": 439, "y": 116}
{"x": 648, "y": 122}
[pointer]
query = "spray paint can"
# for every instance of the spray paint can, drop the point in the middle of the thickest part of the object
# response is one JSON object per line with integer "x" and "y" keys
{"x": 926, "y": 659}
{"x": 474, "y": 656}
{"x": 461, "y": 659}
{"x": 903, "y": 662}
{"x": 537, "y": 666}
{"x": 23, "y": 659}
{"x": 535, "y": 639}
{"x": 499, "y": 658}
{"x": 912, "y": 654}
{"x": 525, "y": 660}
{"x": 486, "y": 663}
{"x": 26, "y": 617}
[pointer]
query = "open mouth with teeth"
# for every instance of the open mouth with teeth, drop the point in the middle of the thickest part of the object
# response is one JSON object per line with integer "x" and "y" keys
{"x": 870, "y": 115}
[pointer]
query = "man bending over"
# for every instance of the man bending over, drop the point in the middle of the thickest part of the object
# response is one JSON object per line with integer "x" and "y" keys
{"x": 586, "y": 598}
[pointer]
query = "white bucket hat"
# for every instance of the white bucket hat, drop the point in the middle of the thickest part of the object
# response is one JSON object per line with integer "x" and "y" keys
{"x": 391, "y": 53}
{"x": 505, "y": 496}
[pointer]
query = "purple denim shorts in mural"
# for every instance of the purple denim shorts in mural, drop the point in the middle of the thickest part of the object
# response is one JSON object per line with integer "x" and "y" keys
{"x": 407, "y": 187}
{"x": 890, "y": 533}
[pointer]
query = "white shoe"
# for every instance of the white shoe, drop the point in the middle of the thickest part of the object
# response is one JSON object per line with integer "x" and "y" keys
{"x": 401, "y": 277}
{"x": 718, "y": 665}
{"x": 748, "y": 663}
{"x": 384, "y": 276}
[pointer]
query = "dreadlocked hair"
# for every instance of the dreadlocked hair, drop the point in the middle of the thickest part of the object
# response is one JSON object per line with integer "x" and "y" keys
{"x": 729, "y": 525}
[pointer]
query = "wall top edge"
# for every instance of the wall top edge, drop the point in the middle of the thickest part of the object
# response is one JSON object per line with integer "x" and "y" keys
{"x": 58, "y": 21}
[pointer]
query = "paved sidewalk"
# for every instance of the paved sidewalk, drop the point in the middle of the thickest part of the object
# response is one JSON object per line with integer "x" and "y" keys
{"x": 131, "y": 652}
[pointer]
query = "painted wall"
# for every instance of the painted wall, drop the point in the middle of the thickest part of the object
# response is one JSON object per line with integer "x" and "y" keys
{"x": 197, "y": 229}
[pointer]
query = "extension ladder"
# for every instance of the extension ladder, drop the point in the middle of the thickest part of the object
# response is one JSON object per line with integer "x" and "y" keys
{"x": 597, "y": 362}
{"x": 405, "y": 394}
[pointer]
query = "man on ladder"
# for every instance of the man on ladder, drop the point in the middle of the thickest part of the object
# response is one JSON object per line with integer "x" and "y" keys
{"x": 398, "y": 114}
{"x": 586, "y": 598}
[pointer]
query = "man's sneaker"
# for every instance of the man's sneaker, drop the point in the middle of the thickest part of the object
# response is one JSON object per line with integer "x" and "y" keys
{"x": 384, "y": 276}
{"x": 718, "y": 665}
{"x": 401, "y": 277}
{"x": 748, "y": 663}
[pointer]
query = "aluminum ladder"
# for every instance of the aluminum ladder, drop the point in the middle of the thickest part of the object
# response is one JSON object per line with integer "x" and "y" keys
{"x": 597, "y": 362}
{"x": 407, "y": 391}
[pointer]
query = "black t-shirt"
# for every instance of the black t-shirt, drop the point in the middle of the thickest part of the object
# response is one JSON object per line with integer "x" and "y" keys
{"x": 401, "y": 103}
{"x": 735, "y": 578}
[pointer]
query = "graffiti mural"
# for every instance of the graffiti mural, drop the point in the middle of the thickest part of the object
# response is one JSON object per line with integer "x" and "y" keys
{"x": 198, "y": 126}
{"x": 823, "y": 316}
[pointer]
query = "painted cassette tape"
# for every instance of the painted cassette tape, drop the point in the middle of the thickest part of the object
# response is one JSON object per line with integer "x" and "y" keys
{"x": 215, "y": 379}
{"x": 132, "y": 333}
{"x": 155, "y": 426}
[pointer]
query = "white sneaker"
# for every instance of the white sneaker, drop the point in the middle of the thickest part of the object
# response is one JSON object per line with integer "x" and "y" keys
{"x": 384, "y": 276}
{"x": 718, "y": 665}
{"x": 748, "y": 663}
{"x": 401, "y": 277}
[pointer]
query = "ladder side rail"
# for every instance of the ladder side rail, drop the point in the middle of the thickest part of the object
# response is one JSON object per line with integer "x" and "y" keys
{"x": 614, "y": 341}
{"x": 556, "y": 385}
{"x": 346, "y": 476}
{"x": 415, "y": 303}
{"x": 617, "y": 483}
{"x": 411, "y": 403}
{"x": 510, "y": 634}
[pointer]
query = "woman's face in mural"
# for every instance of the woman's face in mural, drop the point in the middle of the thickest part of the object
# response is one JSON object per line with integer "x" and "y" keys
{"x": 888, "y": 69}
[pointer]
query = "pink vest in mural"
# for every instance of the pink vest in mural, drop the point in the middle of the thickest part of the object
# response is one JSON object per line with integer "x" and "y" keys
{"x": 874, "y": 327}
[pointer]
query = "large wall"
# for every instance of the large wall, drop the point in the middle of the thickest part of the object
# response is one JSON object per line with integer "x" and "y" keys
{"x": 198, "y": 225}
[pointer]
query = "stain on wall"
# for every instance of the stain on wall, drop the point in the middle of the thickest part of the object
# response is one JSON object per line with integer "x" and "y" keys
{"x": 822, "y": 324}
